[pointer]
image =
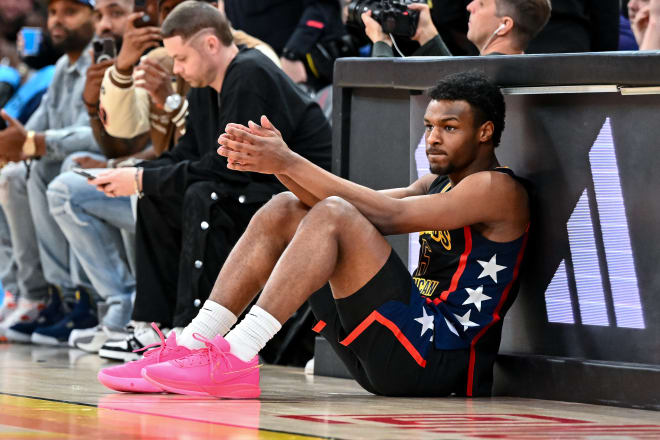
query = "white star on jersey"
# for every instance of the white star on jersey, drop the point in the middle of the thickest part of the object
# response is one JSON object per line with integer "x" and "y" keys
{"x": 465, "y": 320}
{"x": 476, "y": 297}
{"x": 491, "y": 268}
{"x": 426, "y": 321}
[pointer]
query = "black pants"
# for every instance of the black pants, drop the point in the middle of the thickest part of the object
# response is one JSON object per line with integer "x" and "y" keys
{"x": 181, "y": 244}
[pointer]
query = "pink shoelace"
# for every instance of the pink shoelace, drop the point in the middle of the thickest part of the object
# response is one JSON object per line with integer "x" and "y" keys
{"x": 157, "y": 348}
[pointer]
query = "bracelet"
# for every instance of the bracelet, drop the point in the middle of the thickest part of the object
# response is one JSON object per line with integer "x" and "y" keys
{"x": 137, "y": 185}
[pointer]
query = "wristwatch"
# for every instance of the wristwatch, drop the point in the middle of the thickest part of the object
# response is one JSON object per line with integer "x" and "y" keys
{"x": 29, "y": 146}
{"x": 173, "y": 102}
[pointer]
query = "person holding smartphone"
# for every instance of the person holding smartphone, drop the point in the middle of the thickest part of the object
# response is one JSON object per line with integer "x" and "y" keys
{"x": 59, "y": 127}
{"x": 129, "y": 105}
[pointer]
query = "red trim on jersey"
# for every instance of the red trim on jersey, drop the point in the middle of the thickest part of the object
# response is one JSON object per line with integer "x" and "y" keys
{"x": 496, "y": 314}
{"x": 375, "y": 316}
{"x": 461, "y": 267}
{"x": 319, "y": 326}
{"x": 315, "y": 24}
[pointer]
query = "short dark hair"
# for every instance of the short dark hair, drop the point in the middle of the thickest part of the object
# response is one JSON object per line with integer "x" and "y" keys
{"x": 484, "y": 97}
{"x": 190, "y": 17}
{"x": 529, "y": 17}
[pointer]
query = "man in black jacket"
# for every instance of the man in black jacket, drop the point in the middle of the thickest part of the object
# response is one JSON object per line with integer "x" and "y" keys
{"x": 291, "y": 27}
{"x": 190, "y": 188}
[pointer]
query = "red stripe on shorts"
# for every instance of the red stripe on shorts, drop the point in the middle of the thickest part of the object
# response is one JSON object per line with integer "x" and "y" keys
{"x": 375, "y": 316}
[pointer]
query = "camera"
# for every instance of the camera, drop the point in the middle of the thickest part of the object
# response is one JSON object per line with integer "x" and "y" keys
{"x": 393, "y": 15}
{"x": 104, "y": 49}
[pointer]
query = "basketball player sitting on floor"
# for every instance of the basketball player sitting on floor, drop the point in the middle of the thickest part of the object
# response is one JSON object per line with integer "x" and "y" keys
{"x": 431, "y": 334}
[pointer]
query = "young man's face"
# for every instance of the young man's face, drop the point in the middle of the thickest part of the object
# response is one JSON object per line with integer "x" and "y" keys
{"x": 70, "y": 24}
{"x": 483, "y": 21}
{"x": 111, "y": 17}
{"x": 452, "y": 139}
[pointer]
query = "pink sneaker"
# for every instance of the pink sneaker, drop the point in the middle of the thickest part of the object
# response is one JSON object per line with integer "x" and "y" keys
{"x": 127, "y": 377}
{"x": 210, "y": 371}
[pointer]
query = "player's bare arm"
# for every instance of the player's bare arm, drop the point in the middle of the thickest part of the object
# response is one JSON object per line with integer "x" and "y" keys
{"x": 480, "y": 199}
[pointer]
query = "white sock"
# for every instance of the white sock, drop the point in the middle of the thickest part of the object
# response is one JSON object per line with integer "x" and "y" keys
{"x": 252, "y": 333}
{"x": 212, "y": 320}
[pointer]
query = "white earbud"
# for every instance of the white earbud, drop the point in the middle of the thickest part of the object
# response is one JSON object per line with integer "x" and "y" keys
{"x": 492, "y": 36}
{"x": 502, "y": 26}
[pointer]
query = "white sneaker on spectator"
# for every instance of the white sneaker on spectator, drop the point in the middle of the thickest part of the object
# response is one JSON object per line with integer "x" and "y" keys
{"x": 124, "y": 350}
{"x": 24, "y": 311}
{"x": 93, "y": 343}
{"x": 81, "y": 335}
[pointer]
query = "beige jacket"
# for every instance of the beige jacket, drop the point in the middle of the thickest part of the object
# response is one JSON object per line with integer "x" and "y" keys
{"x": 127, "y": 111}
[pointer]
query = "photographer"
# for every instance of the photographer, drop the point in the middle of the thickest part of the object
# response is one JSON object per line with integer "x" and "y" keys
{"x": 496, "y": 27}
{"x": 426, "y": 35}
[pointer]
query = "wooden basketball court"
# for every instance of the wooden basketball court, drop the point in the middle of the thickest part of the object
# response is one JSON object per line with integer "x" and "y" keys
{"x": 52, "y": 393}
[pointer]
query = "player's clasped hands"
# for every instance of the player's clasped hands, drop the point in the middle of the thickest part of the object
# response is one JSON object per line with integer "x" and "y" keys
{"x": 257, "y": 148}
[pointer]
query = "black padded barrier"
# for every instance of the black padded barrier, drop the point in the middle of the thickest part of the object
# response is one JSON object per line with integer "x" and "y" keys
{"x": 586, "y": 324}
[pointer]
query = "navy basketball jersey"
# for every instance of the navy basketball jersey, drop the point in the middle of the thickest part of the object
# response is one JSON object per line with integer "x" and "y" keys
{"x": 469, "y": 282}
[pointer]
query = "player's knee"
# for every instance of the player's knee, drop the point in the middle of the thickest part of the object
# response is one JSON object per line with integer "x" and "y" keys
{"x": 332, "y": 212}
{"x": 281, "y": 210}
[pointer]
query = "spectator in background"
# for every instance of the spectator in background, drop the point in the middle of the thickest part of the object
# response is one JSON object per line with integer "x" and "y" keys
{"x": 141, "y": 94}
{"x": 59, "y": 127}
{"x": 14, "y": 14}
{"x": 627, "y": 39}
{"x": 100, "y": 228}
{"x": 230, "y": 83}
{"x": 579, "y": 26}
{"x": 80, "y": 204}
{"x": 21, "y": 90}
{"x": 645, "y": 21}
{"x": 293, "y": 28}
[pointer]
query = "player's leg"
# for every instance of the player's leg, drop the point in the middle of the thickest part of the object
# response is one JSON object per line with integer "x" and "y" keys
{"x": 333, "y": 242}
{"x": 247, "y": 267}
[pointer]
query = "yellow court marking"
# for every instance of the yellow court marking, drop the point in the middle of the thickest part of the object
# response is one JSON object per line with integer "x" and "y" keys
{"x": 67, "y": 420}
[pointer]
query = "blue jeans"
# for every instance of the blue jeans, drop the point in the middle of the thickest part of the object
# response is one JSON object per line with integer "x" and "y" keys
{"x": 93, "y": 224}
{"x": 7, "y": 262}
{"x": 23, "y": 237}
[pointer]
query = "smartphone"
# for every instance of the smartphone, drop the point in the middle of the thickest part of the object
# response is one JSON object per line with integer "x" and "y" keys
{"x": 104, "y": 49}
{"x": 150, "y": 9}
{"x": 31, "y": 41}
{"x": 86, "y": 174}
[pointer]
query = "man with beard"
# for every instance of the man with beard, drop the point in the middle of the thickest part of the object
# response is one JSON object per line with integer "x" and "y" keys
{"x": 59, "y": 127}
{"x": 111, "y": 19}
